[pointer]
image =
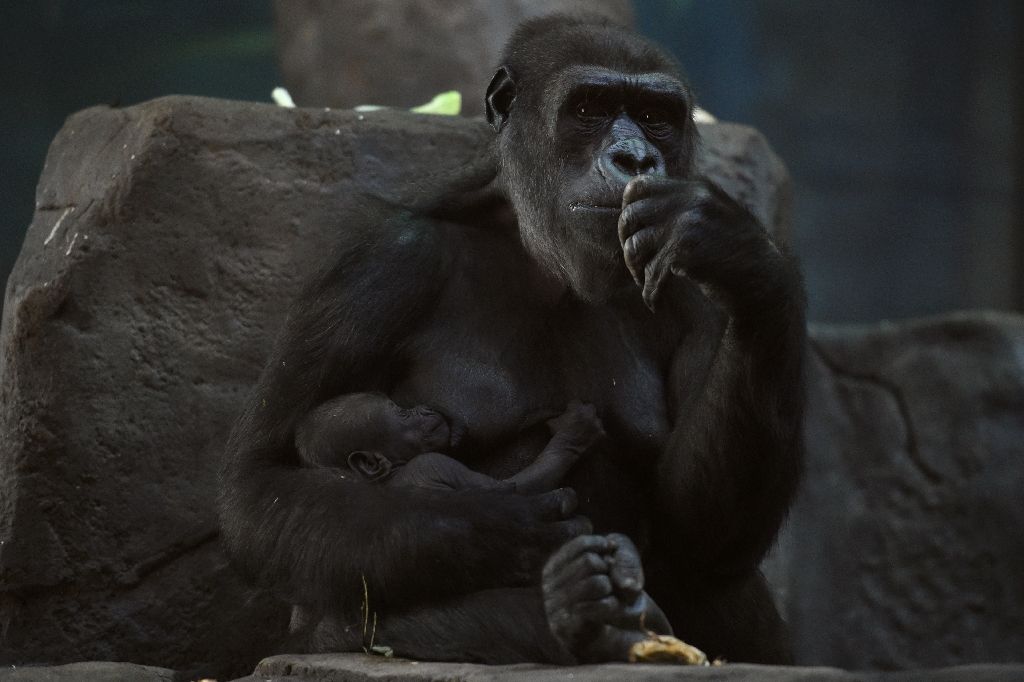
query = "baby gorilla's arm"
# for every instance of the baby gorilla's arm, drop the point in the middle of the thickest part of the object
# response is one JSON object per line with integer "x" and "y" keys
{"x": 441, "y": 472}
{"x": 575, "y": 431}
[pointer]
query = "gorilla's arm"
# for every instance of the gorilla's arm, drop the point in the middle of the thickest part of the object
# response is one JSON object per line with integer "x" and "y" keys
{"x": 732, "y": 460}
{"x": 318, "y": 537}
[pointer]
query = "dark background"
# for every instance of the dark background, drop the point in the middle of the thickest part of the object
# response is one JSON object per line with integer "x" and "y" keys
{"x": 900, "y": 121}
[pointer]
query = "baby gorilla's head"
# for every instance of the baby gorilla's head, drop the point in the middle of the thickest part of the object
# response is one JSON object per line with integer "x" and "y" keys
{"x": 369, "y": 423}
{"x": 410, "y": 432}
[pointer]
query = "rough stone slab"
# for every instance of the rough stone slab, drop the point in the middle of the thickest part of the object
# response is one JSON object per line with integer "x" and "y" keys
{"x": 363, "y": 668}
{"x": 87, "y": 672}
{"x": 342, "y": 54}
{"x": 740, "y": 160}
{"x": 167, "y": 242}
{"x": 906, "y": 548}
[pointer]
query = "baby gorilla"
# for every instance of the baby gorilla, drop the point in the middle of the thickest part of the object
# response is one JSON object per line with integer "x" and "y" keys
{"x": 402, "y": 446}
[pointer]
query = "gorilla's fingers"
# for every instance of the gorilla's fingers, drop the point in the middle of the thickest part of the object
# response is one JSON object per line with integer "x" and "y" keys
{"x": 571, "y": 550}
{"x": 638, "y": 251}
{"x": 642, "y": 186}
{"x": 573, "y": 528}
{"x": 638, "y": 215}
{"x": 655, "y": 273}
{"x": 626, "y": 572}
{"x": 580, "y": 568}
{"x": 557, "y": 504}
{"x": 575, "y": 415}
{"x": 467, "y": 479}
{"x": 628, "y": 223}
{"x": 576, "y": 592}
{"x": 601, "y": 610}
{"x": 505, "y": 486}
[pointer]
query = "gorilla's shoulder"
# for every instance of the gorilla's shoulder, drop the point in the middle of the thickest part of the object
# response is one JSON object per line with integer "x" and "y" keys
{"x": 406, "y": 237}
{"x": 394, "y": 235}
{"x": 400, "y": 249}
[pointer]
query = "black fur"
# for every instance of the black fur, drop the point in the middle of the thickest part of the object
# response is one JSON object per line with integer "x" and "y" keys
{"x": 618, "y": 278}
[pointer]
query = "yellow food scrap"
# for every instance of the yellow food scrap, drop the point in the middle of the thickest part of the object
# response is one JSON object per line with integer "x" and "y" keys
{"x": 666, "y": 649}
{"x": 282, "y": 98}
{"x": 447, "y": 104}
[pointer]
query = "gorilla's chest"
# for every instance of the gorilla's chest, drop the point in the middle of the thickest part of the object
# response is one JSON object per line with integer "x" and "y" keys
{"x": 502, "y": 372}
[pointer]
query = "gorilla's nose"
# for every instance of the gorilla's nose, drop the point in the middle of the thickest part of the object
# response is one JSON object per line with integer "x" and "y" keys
{"x": 628, "y": 158}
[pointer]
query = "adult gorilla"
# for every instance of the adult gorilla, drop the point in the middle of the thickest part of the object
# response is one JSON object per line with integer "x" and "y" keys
{"x": 619, "y": 279}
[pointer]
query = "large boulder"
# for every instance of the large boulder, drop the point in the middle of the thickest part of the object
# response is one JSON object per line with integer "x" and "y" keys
{"x": 342, "y": 54}
{"x": 906, "y": 548}
{"x": 167, "y": 242}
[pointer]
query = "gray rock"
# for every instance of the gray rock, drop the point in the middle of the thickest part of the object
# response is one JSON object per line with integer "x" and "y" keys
{"x": 342, "y": 54}
{"x": 363, "y": 668}
{"x": 740, "y": 160}
{"x": 87, "y": 672}
{"x": 905, "y": 548}
{"x": 167, "y": 242}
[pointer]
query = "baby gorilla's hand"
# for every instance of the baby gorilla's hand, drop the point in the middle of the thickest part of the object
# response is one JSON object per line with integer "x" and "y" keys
{"x": 578, "y": 427}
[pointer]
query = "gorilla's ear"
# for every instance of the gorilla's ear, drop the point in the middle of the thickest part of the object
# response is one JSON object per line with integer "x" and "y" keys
{"x": 501, "y": 93}
{"x": 373, "y": 466}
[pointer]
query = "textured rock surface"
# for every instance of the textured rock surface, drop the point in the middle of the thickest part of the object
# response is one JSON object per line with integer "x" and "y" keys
{"x": 342, "y": 54}
{"x": 167, "y": 241}
{"x": 362, "y": 668}
{"x": 906, "y": 546}
{"x": 87, "y": 672}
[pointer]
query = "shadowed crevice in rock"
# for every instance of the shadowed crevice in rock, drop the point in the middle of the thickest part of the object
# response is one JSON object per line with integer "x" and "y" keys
{"x": 898, "y": 400}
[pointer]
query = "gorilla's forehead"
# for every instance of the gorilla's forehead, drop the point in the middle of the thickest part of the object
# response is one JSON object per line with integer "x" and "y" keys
{"x": 580, "y": 78}
{"x": 577, "y": 80}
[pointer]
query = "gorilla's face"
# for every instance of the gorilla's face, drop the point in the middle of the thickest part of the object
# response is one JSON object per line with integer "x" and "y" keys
{"x": 414, "y": 431}
{"x": 568, "y": 151}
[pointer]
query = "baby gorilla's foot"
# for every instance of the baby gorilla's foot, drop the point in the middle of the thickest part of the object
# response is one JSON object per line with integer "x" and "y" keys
{"x": 578, "y": 427}
{"x": 594, "y": 599}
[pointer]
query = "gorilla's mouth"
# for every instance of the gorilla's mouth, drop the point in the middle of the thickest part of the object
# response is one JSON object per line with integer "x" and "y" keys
{"x": 595, "y": 207}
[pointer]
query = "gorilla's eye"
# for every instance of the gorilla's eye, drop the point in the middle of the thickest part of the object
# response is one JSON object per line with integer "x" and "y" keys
{"x": 654, "y": 117}
{"x": 591, "y": 111}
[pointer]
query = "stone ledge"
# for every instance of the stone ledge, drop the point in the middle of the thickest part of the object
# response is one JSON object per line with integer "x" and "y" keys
{"x": 363, "y": 668}
{"x": 94, "y": 671}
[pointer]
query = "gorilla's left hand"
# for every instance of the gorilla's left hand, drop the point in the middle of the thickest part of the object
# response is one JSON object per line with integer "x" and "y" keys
{"x": 693, "y": 228}
{"x": 594, "y": 599}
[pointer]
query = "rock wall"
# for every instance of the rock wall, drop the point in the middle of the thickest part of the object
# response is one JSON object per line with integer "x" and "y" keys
{"x": 167, "y": 242}
{"x": 168, "y": 239}
{"x": 905, "y": 548}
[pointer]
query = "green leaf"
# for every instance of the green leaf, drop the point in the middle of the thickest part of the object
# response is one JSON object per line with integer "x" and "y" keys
{"x": 446, "y": 104}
